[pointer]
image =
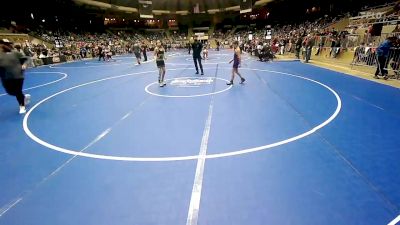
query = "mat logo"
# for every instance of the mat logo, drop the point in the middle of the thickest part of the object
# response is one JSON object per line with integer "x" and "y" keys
{"x": 191, "y": 82}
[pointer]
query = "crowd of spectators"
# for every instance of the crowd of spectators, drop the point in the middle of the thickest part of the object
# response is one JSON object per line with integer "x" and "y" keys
{"x": 178, "y": 39}
{"x": 301, "y": 38}
{"x": 78, "y": 46}
{"x": 292, "y": 38}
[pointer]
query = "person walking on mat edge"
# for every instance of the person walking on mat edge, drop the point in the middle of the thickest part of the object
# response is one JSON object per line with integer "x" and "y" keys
{"x": 159, "y": 55}
{"x": 12, "y": 66}
{"x": 236, "y": 63}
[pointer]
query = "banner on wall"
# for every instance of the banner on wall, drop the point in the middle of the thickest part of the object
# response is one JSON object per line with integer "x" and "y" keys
{"x": 246, "y": 6}
{"x": 146, "y": 9}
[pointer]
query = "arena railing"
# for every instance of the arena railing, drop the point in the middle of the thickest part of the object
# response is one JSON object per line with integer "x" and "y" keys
{"x": 349, "y": 41}
{"x": 367, "y": 57}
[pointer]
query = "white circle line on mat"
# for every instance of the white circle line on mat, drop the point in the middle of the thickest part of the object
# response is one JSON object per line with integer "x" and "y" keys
{"x": 105, "y": 64}
{"x": 187, "y": 96}
{"x": 204, "y": 60}
{"x": 42, "y": 85}
{"x": 181, "y": 158}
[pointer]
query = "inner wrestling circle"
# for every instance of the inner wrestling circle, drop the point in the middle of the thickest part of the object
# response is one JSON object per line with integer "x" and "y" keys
{"x": 193, "y": 85}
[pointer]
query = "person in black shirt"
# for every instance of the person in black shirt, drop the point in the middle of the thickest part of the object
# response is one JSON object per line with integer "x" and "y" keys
{"x": 333, "y": 44}
{"x": 197, "y": 48}
{"x": 101, "y": 53}
{"x": 12, "y": 66}
{"x": 136, "y": 51}
{"x": 144, "y": 51}
{"x": 299, "y": 43}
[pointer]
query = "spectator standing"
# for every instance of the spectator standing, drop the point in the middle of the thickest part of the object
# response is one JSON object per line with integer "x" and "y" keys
{"x": 309, "y": 43}
{"x": 144, "y": 51}
{"x": 382, "y": 53}
{"x": 299, "y": 42}
{"x": 136, "y": 51}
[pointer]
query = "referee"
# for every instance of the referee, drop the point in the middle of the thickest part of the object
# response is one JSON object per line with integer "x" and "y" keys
{"x": 197, "y": 48}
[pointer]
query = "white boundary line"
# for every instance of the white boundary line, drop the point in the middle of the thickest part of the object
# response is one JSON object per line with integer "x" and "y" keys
{"x": 176, "y": 54}
{"x": 204, "y": 62}
{"x": 212, "y": 59}
{"x": 78, "y": 67}
{"x": 194, "y": 207}
{"x": 7, "y": 207}
{"x": 42, "y": 85}
{"x": 180, "y": 158}
{"x": 395, "y": 221}
{"x": 105, "y": 64}
{"x": 52, "y": 174}
{"x": 184, "y": 54}
{"x": 295, "y": 138}
{"x": 54, "y": 66}
{"x": 98, "y": 62}
{"x": 190, "y": 64}
{"x": 187, "y": 96}
{"x": 13, "y": 203}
